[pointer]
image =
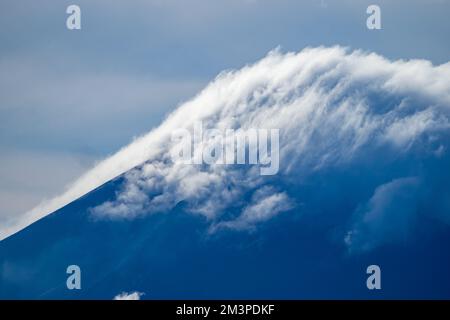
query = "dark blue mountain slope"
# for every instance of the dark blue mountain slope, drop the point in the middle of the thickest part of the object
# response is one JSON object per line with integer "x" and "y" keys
{"x": 171, "y": 255}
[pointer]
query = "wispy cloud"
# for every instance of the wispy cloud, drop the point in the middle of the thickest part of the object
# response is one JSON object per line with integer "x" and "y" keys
{"x": 129, "y": 296}
{"x": 265, "y": 204}
{"x": 387, "y": 217}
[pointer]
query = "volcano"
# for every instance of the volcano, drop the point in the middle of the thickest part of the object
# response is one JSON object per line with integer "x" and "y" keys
{"x": 362, "y": 180}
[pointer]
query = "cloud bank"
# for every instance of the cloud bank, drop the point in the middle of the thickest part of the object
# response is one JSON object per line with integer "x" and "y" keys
{"x": 354, "y": 128}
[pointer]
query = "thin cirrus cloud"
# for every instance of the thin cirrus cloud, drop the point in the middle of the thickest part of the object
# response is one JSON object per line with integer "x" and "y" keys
{"x": 355, "y": 119}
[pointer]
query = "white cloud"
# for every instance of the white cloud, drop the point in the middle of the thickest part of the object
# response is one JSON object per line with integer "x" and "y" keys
{"x": 129, "y": 296}
{"x": 332, "y": 108}
{"x": 387, "y": 216}
{"x": 266, "y": 204}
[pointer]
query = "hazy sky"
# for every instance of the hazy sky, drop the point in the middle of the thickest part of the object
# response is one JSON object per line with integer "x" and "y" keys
{"x": 70, "y": 98}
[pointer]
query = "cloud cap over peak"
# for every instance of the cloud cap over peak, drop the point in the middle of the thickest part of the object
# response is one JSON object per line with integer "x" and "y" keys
{"x": 339, "y": 112}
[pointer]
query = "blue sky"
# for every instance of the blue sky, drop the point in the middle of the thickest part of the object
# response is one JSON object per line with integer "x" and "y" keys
{"x": 70, "y": 98}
